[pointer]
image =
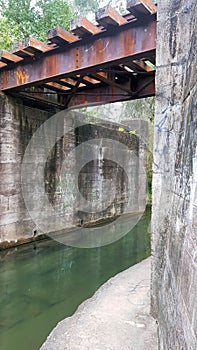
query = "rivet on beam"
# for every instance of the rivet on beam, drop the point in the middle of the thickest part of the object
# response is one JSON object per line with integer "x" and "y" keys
{"x": 108, "y": 16}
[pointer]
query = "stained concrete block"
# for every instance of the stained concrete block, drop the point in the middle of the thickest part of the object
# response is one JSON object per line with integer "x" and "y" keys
{"x": 174, "y": 227}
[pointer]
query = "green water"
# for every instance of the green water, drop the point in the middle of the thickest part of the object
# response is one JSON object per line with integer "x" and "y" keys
{"x": 44, "y": 282}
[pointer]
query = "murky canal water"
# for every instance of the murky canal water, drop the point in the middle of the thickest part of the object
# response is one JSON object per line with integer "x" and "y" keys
{"x": 44, "y": 282}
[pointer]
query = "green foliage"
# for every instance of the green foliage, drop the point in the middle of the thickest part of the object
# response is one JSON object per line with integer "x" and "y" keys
{"x": 19, "y": 19}
{"x": 142, "y": 109}
{"x": 121, "y": 129}
{"x": 7, "y": 33}
{"x": 51, "y": 14}
{"x": 132, "y": 132}
{"x": 21, "y": 16}
{"x": 84, "y": 6}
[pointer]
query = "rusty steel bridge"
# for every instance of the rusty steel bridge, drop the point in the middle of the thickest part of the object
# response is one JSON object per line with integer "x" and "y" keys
{"x": 112, "y": 60}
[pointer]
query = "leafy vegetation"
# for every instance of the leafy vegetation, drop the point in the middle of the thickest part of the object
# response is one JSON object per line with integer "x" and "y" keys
{"x": 87, "y": 6}
{"x": 7, "y": 33}
{"x": 84, "y": 6}
{"x": 20, "y": 19}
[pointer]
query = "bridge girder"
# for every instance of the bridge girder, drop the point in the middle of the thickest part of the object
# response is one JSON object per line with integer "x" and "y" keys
{"x": 98, "y": 64}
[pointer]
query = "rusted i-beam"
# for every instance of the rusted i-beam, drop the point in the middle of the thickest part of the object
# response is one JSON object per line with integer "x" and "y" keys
{"x": 131, "y": 42}
{"x": 110, "y": 94}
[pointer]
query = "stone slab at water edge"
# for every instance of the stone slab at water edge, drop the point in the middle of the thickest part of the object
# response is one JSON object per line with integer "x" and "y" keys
{"x": 116, "y": 318}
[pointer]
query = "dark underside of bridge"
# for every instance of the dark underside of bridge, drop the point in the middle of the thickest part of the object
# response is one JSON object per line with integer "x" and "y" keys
{"x": 112, "y": 60}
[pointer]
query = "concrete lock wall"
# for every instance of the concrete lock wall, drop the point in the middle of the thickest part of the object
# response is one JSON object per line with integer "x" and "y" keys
{"x": 174, "y": 221}
{"x": 18, "y": 123}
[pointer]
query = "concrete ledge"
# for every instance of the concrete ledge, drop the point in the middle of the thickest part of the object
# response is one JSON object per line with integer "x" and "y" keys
{"x": 116, "y": 318}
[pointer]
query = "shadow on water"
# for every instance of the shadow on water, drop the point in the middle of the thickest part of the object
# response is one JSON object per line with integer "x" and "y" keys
{"x": 44, "y": 282}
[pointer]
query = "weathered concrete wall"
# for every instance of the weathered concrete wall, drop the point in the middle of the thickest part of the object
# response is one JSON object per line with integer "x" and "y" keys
{"x": 18, "y": 124}
{"x": 100, "y": 179}
{"x": 93, "y": 176}
{"x": 174, "y": 223}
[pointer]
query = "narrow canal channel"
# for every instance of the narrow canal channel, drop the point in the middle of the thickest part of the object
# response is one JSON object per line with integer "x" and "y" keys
{"x": 44, "y": 282}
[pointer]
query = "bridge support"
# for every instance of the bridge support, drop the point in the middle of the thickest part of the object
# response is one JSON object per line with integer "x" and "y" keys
{"x": 18, "y": 124}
